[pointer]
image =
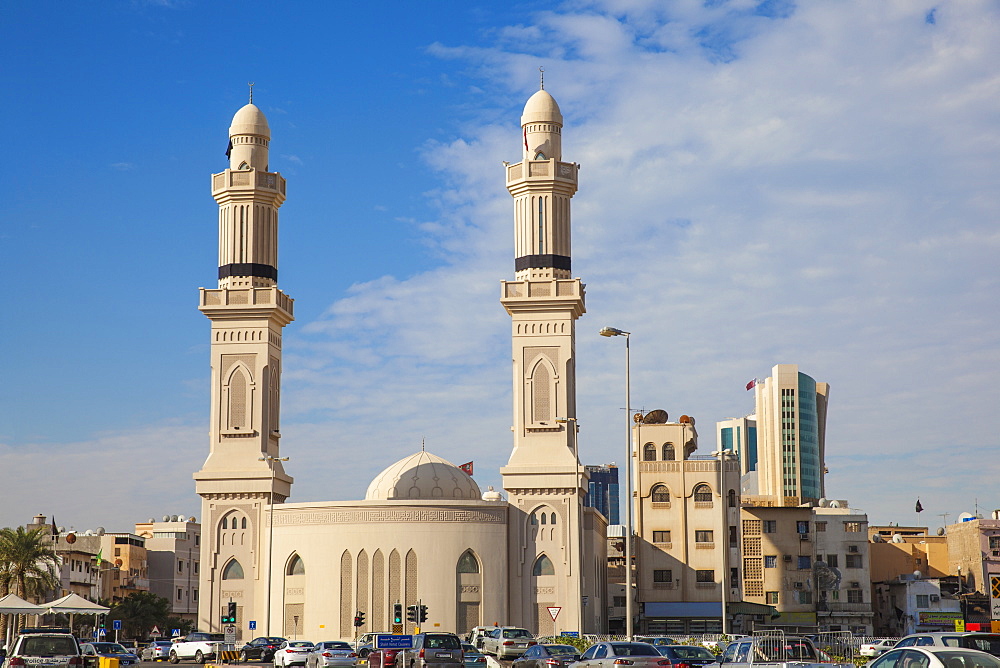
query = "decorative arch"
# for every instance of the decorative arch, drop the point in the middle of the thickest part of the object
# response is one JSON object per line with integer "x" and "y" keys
{"x": 660, "y": 494}
{"x": 649, "y": 453}
{"x": 467, "y": 563}
{"x": 552, "y": 519}
{"x": 668, "y": 452}
{"x": 468, "y": 592}
{"x": 732, "y": 498}
{"x": 346, "y": 588}
{"x": 542, "y": 391}
{"x": 295, "y": 565}
{"x": 543, "y": 566}
{"x": 702, "y": 493}
{"x": 232, "y": 570}
{"x": 238, "y": 404}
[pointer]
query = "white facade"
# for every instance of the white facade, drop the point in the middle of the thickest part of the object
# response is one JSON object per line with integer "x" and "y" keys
{"x": 842, "y": 569}
{"x": 173, "y": 553}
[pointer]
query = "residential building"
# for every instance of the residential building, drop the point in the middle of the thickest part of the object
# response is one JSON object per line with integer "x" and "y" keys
{"x": 125, "y": 554}
{"x": 173, "y": 550}
{"x": 897, "y": 550}
{"x": 841, "y": 569}
{"x": 974, "y": 556}
{"x": 687, "y": 514}
{"x": 602, "y": 492}
{"x": 912, "y": 604}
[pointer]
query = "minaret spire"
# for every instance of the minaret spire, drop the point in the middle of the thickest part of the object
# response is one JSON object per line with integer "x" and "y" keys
{"x": 541, "y": 78}
{"x": 250, "y": 83}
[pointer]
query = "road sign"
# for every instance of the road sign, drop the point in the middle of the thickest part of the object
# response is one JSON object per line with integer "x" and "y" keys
{"x": 253, "y": 625}
{"x": 230, "y": 631}
{"x": 571, "y": 634}
{"x": 176, "y": 633}
{"x": 155, "y": 633}
{"x": 393, "y": 642}
{"x": 116, "y": 624}
{"x": 554, "y": 612}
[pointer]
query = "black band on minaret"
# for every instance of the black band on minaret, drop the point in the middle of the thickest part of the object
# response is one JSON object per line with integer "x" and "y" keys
{"x": 542, "y": 262}
{"x": 248, "y": 269}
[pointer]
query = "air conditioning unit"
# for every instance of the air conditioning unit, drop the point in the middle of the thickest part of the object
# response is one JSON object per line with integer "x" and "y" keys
{"x": 855, "y": 585}
{"x": 786, "y": 557}
{"x": 803, "y": 536}
{"x": 852, "y": 548}
{"x": 996, "y": 553}
{"x": 935, "y": 598}
{"x": 798, "y": 585}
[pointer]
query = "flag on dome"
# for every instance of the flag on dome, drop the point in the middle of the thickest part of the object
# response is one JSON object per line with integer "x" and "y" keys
{"x": 467, "y": 467}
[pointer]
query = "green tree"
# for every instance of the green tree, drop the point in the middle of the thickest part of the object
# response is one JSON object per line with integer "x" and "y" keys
{"x": 140, "y": 611}
{"x": 27, "y": 565}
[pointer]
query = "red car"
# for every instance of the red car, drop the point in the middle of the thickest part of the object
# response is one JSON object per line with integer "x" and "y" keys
{"x": 375, "y": 658}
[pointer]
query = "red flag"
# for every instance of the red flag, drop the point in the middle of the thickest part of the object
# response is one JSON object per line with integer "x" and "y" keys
{"x": 467, "y": 467}
{"x": 525, "y": 138}
{"x": 752, "y": 384}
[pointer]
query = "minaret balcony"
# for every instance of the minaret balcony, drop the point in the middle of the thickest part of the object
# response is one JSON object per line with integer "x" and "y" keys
{"x": 240, "y": 302}
{"x": 248, "y": 180}
{"x": 559, "y": 293}
{"x": 545, "y": 171}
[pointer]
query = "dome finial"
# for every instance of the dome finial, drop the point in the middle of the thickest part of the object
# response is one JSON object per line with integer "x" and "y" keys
{"x": 250, "y": 83}
{"x": 422, "y": 448}
{"x": 541, "y": 78}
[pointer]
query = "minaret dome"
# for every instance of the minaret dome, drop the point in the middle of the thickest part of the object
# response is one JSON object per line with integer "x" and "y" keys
{"x": 250, "y": 136}
{"x": 542, "y": 122}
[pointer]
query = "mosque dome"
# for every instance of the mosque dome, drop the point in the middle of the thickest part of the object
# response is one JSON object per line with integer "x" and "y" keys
{"x": 422, "y": 476}
{"x": 541, "y": 108}
{"x": 250, "y": 120}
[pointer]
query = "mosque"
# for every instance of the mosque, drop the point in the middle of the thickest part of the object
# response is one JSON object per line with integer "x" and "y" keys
{"x": 425, "y": 533}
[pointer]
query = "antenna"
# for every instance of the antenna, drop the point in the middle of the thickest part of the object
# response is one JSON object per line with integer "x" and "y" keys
{"x": 541, "y": 77}
{"x": 945, "y": 517}
{"x": 422, "y": 448}
{"x": 250, "y": 83}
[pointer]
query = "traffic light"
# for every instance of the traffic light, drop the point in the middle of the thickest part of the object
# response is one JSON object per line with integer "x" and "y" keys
{"x": 411, "y": 613}
{"x": 397, "y": 613}
{"x": 359, "y": 619}
{"x": 422, "y": 617}
{"x": 229, "y": 617}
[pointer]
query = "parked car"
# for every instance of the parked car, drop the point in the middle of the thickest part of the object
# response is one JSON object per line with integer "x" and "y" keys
{"x": 375, "y": 657}
{"x": 987, "y": 642}
{"x": 158, "y": 650}
{"x": 366, "y": 640}
{"x": 52, "y": 648}
{"x": 198, "y": 646}
{"x": 687, "y": 656}
{"x": 505, "y": 642}
{"x": 292, "y": 653}
{"x": 877, "y": 647}
{"x": 656, "y": 641}
{"x": 331, "y": 653}
{"x": 110, "y": 650}
{"x": 434, "y": 650}
{"x": 934, "y": 656}
{"x": 477, "y": 634}
{"x": 608, "y": 654}
{"x": 261, "y": 649}
{"x": 472, "y": 657}
{"x": 547, "y": 655}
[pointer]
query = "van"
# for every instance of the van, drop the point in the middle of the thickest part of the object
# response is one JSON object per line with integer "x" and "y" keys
{"x": 45, "y": 648}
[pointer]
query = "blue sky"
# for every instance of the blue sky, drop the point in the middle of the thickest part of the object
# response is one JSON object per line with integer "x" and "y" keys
{"x": 761, "y": 183}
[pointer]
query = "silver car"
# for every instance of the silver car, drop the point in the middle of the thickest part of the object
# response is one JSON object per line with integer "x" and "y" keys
{"x": 331, "y": 653}
{"x": 507, "y": 642}
{"x": 608, "y": 654}
{"x": 158, "y": 650}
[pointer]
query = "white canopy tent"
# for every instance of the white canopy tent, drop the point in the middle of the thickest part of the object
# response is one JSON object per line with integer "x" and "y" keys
{"x": 12, "y": 604}
{"x": 74, "y": 603}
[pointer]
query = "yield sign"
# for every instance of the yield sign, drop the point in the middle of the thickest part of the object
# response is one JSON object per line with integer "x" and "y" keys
{"x": 554, "y": 612}
{"x": 155, "y": 633}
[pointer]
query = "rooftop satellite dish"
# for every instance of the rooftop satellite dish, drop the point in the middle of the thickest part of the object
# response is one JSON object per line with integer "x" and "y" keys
{"x": 100, "y": 531}
{"x": 686, "y": 419}
{"x": 877, "y": 539}
{"x": 965, "y": 517}
{"x": 897, "y": 538}
{"x": 151, "y": 520}
{"x": 917, "y": 575}
{"x": 835, "y": 504}
{"x": 88, "y": 532}
{"x": 173, "y": 518}
{"x": 823, "y": 503}
{"x": 659, "y": 416}
{"x": 940, "y": 531}
{"x": 119, "y": 562}
{"x": 166, "y": 518}
{"x": 192, "y": 519}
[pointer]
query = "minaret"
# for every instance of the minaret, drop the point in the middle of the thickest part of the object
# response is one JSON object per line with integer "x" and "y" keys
{"x": 543, "y": 477}
{"x": 242, "y": 475}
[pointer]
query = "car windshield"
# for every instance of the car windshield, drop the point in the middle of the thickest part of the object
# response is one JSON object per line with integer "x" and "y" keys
{"x": 109, "y": 648}
{"x": 633, "y": 649}
{"x": 959, "y": 659}
{"x": 466, "y": 647}
{"x": 336, "y": 645}
{"x": 785, "y": 649}
{"x": 562, "y": 649}
{"x": 516, "y": 633}
{"x": 442, "y": 642}
{"x": 48, "y": 646}
{"x": 986, "y": 643}
{"x": 300, "y": 643}
{"x": 690, "y": 652}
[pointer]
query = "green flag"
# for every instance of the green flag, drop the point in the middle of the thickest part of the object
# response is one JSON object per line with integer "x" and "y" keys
{"x": 99, "y": 559}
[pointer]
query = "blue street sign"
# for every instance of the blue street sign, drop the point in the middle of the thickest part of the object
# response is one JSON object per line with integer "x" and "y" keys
{"x": 94, "y": 634}
{"x": 253, "y": 624}
{"x": 175, "y": 633}
{"x": 117, "y": 624}
{"x": 570, "y": 634}
{"x": 393, "y": 642}
{"x": 103, "y": 632}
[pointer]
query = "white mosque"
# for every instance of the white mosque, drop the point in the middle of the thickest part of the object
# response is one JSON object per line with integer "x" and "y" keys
{"x": 425, "y": 532}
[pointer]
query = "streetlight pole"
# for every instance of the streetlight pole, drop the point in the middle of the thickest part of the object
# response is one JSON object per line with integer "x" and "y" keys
{"x": 578, "y": 513}
{"x": 611, "y": 331}
{"x": 724, "y": 455}
{"x": 270, "y": 459}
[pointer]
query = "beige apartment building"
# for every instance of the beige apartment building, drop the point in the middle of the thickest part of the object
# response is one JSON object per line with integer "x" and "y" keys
{"x": 125, "y": 561}
{"x": 173, "y": 549}
{"x": 687, "y": 514}
{"x": 841, "y": 569}
{"x": 902, "y": 550}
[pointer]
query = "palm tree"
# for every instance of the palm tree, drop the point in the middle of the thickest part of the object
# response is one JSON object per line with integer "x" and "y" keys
{"x": 141, "y": 611}
{"x": 27, "y": 564}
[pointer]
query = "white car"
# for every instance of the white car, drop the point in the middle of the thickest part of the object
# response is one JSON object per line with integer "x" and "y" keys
{"x": 877, "y": 648}
{"x": 332, "y": 653}
{"x": 934, "y": 657}
{"x": 292, "y": 653}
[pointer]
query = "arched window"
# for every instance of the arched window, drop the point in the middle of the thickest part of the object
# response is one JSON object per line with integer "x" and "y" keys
{"x": 668, "y": 452}
{"x": 553, "y": 521}
{"x": 232, "y": 571}
{"x": 649, "y": 453}
{"x": 467, "y": 563}
{"x": 661, "y": 494}
{"x": 225, "y": 522}
{"x": 732, "y": 498}
{"x": 540, "y": 156}
{"x": 543, "y": 566}
{"x": 295, "y": 566}
{"x": 544, "y": 518}
{"x": 703, "y": 493}
{"x": 534, "y": 519}
{"x": 244, "y": 523}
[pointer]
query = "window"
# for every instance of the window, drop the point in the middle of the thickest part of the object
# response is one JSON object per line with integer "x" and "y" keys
{"x": 179, "y": 591}
{"x": 661, "y": 494}
{"x": 802, "y": 526}
{"x": 831, "y": 560}
{"x": 197, "y": 541}
{"x": 243, "y": 524}
{"x": 704, "y": 576}
{"x": 534, "y": 518}
{"x": 805, "y": 562}
{"x": 232, "y": 571}
{"x": 225, "y": 522}
{"x": 196, "y": 568}
{"x": 994, "y": 542}
{"x": 805, "y": 597}
{"x": 180, "y": 566}
{"x": 771, "y": 597}
{"x": 118, "y": 552}
{"x": 649, "y": 453}
{"x": 295, "y": 566}
{"x": 853, "y": 561}
{"x": 703, "y": 493}
{"x": 543, "y": 566}
{"x": 732, "y": 498}
{"x": 769, "y": 526}
{"x": 663, "y": 575}
{"x": 540, "y": 156}
{"x": 661, "y": 536}
{"x": 467, "y": 563}
{"x": 852, "y": 527}
{"x": 820, "y": 526}
{"x": 552, "y": 518}
{"x": 668, "y": 452}
{"x": 545, "y": 518}
{"x": 618, "y": 601}
{"x": 703, "y": 537}
{"x": 194, "y": 593}
{"x": 770, "y": 561}
{"x": 858, "y": 596}
{"x": 923, "y": 601}
{"x": 734, "y": 539}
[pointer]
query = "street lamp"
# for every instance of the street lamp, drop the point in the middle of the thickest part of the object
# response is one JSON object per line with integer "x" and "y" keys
{"x": 612, "y": 331}
{"x": 578, "y": 514}
{"x": 724, "y": 456}
{"x": 270, "y": 459}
